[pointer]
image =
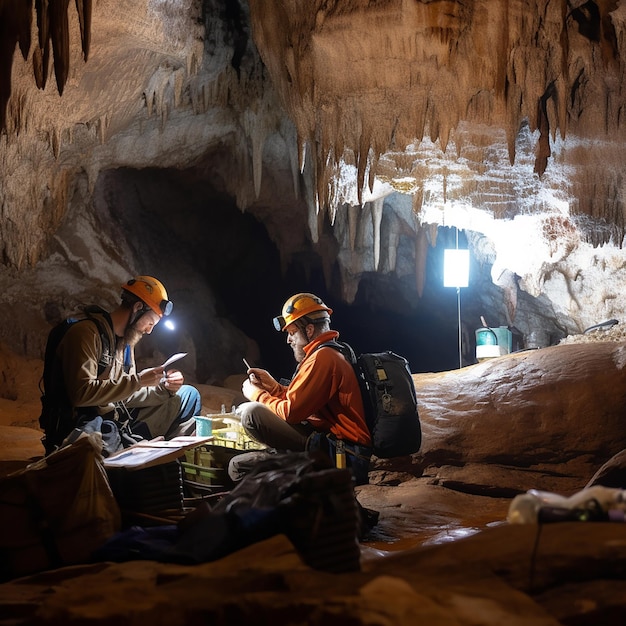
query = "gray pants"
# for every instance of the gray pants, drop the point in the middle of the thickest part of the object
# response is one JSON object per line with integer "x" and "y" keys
{"x": 266, "y": 427}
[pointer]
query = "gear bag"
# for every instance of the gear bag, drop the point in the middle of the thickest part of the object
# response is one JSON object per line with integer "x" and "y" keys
{"x": 389, "y": 399}
{"x": 58, "y": 417}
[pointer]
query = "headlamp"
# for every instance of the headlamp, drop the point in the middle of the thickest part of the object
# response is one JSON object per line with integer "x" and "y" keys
{"x": 279, "y": 322}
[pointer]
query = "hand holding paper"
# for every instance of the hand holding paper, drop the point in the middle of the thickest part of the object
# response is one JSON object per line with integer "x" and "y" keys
{"x": 159, "y": 375}
{"x": 173, "y": 358}
{"x": 174, "y": 380}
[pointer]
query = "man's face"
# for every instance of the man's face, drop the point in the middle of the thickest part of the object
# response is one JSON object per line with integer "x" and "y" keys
{"x": 297, "y": 339}
{"x": 143, "y": 326}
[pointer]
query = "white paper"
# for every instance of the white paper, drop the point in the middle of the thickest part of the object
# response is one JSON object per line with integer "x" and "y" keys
{"x": 153, "y": 452}
{"x": 174, "y": 358}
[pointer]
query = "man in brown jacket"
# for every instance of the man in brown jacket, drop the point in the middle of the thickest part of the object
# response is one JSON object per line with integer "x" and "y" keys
{"x": 94, "y": 373}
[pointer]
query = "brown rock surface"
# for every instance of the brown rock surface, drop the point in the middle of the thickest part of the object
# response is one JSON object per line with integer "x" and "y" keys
{"x": 442, "y": 552}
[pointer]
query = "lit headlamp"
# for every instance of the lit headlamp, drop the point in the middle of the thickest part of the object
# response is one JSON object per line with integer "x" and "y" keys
{"x": 279, "y": 322}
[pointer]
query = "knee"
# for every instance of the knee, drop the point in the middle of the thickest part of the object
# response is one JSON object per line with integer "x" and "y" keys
{"x": 247, "y": 421}
{"x": 190, "y": 394}
{"x": 247, "y": 415}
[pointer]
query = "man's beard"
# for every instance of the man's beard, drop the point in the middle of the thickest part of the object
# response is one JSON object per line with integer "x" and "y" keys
{"x": 298, "y": 353}
{"x": 132, "y": 336}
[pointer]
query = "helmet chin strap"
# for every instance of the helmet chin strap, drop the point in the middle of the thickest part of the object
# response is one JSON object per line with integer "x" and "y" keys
{"x": 302, "y": 327}
{"x": 135, "y": 315}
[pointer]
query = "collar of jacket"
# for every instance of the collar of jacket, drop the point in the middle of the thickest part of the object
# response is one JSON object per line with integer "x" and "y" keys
{"x": 329, "y": 335}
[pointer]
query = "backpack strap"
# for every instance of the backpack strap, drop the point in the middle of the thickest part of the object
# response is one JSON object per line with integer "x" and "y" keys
{"x": 342, "y": 347}
{"x": 105, "y": 361}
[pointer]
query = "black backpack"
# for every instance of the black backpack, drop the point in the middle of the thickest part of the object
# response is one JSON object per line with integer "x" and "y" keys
{"x": 58, "y": 417}
{"x": 389, "y": 399}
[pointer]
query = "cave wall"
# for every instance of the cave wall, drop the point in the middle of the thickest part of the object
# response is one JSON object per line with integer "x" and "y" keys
{"x": 360, "y": 132}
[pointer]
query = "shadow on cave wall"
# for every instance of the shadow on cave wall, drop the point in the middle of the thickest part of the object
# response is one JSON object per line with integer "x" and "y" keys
{"x": 221, "y": 264}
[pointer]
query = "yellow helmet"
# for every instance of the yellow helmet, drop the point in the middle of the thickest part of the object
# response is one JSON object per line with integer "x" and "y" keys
{"x": 150, "y": 291}
{"x": 301, "y": 305}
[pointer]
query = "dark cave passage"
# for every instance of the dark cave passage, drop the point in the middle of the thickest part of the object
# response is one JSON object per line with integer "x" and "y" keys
{"x": 186, "y": 230}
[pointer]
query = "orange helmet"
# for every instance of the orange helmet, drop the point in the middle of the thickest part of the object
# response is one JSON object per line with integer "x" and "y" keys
{"x": 151, "y": 292}
{"x": 302, "y": 305}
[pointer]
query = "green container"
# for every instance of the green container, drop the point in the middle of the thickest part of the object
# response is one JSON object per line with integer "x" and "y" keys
{"x": 493, "y": 342}
{"x": 204, "y": 426}
{"x": 486, "y": 337}
{"x": 500, "y": 336}
{"x": 505, "y": 338}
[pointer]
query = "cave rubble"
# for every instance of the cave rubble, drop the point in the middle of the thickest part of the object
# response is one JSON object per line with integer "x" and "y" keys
{"x": 546, "y": 419}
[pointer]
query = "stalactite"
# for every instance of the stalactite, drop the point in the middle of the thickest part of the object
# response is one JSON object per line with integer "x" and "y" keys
{"x": 60, "y": 37}
{"x": 371, "y": 178}
{"x": 322, "y": 180}
{"x": 331, "y": 205}
{"x": 421, "y": 254}
{"x": 41, "y": 54}
{"x": 84, "y": 9}
{"x": 354, "y": 212}
{"x": 177, "y": 84}
{"x": 310, "y": 193}
{"x": 313, "y": 221}
{"x": 287, "y": 133}
{"x": 15, "y": 28}
{"x": 256, "y": 131}
{"x": 489, "y": 62}
{"x": 513, "y": 120}
{"x": 376, "y": 207}
{"x": 543, "y": 123}
{"x": 302, "y": 152}
{"x": 362, "y": 162}
{"x": 194, "y": 57}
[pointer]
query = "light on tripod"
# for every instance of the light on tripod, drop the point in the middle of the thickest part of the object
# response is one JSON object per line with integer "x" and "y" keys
{"x": 456, "y": 274}
{"x": 455, "y": 268}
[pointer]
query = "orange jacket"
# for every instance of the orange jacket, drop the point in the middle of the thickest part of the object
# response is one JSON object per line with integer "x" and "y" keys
{"x": 324, "y": 392}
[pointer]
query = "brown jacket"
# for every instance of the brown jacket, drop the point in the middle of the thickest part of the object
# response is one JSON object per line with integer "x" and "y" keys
{"x": 79, "y": 352}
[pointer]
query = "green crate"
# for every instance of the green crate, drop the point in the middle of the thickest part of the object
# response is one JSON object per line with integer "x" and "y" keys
{"x": 207, "y": 464}
{"x": 204, "y": 475}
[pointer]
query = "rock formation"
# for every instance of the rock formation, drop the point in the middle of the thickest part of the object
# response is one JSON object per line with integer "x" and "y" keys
{"x": 354, "y": 132}
{"x": 244, "y": 150}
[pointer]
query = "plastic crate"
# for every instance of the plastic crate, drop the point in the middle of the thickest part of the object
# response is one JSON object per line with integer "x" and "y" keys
{"x": 205, "y": 467}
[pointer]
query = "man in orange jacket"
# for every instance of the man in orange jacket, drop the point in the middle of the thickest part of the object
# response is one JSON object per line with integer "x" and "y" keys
{"x": 321, "y": 408}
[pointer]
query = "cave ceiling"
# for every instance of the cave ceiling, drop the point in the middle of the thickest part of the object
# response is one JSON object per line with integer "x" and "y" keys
{"x": 385, "y": 118}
